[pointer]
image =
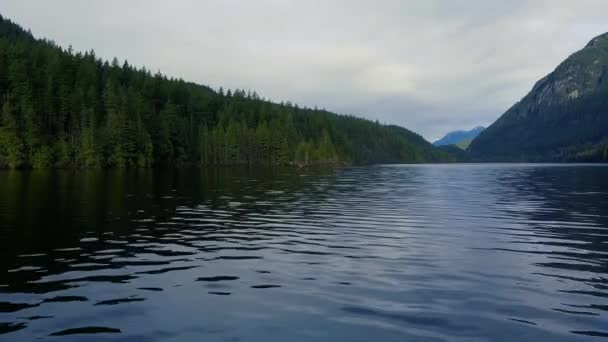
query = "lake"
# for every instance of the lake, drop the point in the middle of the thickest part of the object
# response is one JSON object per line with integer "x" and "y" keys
{"x": 383, "y": 253}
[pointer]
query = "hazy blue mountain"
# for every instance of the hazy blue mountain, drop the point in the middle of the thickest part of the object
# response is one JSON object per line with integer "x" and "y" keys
{"x": 563, "y": 118}
{"x": 459, "y": 138}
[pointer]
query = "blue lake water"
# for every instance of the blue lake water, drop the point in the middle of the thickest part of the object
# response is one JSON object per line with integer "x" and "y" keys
{"x": 380, "y": 253}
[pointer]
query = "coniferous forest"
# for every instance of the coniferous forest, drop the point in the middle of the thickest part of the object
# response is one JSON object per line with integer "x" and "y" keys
{"x": 61, "y": 108}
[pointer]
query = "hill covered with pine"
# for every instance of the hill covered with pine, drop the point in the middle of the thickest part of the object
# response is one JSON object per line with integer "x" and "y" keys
{"x": 61, "y": 108}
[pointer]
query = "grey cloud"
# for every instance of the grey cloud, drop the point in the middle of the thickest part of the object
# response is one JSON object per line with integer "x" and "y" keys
{"x": 431, "y": 66}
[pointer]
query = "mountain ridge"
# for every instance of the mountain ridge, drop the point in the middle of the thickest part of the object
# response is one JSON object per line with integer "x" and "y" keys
{"x": 564, "y": 117}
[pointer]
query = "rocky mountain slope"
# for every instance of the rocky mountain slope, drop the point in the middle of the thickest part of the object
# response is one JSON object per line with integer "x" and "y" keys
{"x": 563, "y": 118}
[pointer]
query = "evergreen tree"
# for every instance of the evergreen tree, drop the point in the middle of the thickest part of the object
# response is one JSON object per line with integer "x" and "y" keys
{"x": 12, "y": 152}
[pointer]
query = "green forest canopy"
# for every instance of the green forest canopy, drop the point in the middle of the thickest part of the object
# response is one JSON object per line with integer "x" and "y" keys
{"x": 61, "y": 108}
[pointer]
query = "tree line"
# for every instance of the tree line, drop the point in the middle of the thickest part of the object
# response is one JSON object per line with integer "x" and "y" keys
{"x": 61, "y": 108}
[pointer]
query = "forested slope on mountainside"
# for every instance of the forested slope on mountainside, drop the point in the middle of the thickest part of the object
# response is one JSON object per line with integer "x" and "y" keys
{"x": 61, "y": 108}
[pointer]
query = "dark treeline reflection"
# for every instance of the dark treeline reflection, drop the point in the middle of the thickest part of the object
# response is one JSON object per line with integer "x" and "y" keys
{"x": 42, "y": 210}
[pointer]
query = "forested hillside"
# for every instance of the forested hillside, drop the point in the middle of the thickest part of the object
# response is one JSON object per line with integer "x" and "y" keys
{"x": 61, "y": 108}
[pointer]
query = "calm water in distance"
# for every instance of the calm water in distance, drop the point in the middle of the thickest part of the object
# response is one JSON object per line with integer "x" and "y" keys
{"x": 381, "y": 253}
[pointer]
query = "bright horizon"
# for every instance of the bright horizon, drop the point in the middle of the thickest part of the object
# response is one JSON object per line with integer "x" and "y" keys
{"x": 432, "y": 68}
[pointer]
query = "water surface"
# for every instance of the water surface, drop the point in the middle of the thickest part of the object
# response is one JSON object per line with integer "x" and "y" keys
{"x": 383, "y": 253}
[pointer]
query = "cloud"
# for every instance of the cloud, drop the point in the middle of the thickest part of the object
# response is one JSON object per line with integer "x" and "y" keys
{"x": 430, "y": 66}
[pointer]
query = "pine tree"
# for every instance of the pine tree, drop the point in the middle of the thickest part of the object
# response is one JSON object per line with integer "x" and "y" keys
{"x": 11, "y": 147}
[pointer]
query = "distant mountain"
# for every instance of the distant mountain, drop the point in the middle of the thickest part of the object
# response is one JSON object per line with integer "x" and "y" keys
{"x": 464, "y": 144}
{"x": 461, "y": 139}
{"x": 563, "y": 118}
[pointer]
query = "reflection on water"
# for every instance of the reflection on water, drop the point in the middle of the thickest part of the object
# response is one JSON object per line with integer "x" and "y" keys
{"x": 385, "y": 253}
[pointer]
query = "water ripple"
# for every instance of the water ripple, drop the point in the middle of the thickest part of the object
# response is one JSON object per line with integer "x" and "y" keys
{"x": 387, "y": 253}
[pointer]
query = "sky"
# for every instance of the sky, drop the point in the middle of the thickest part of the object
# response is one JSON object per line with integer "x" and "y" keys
{"x": 432, "y": 66}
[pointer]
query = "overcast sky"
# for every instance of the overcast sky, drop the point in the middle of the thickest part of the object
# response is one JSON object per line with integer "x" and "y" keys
{"x": 431, "y": 66}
